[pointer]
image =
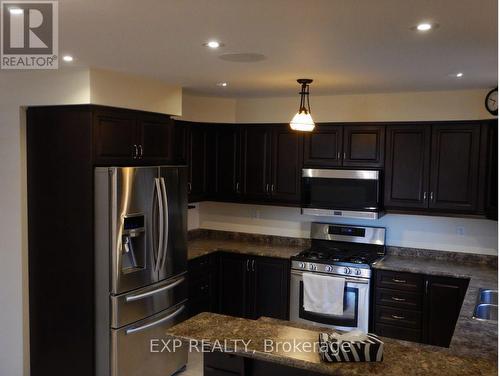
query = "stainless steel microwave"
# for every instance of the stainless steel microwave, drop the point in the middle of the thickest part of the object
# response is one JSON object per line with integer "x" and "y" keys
{"x": 342, "y": 193}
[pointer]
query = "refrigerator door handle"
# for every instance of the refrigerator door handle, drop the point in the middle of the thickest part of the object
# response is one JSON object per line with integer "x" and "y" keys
{"x": 133, "y": 298}
{"x": 166, "y": 229}
{"x": 157, "y": 322}
{"x": 160, "y": 227}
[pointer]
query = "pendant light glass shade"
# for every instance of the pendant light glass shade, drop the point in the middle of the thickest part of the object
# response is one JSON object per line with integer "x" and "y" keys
{"x": 303, "y": 121}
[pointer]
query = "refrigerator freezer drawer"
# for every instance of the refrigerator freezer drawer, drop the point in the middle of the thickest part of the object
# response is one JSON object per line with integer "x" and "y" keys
{"x": 135, "y": 305}
{"x": 131, "y": 346}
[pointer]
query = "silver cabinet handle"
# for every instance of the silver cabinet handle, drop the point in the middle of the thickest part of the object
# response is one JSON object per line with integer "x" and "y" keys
{"x": 133, "y": 298}
{"x": 165, "y": 222}
{"x": 248, "y": 269}
{"x": 398, "y": 299}
{"x": 344, "y": 155}
{"x": 338, "y": 155}
{"x": 160, "y": 227}
{"x": 425, "y": 196}
{"x": 154, "y": 323}
{"x": 398, "y": 280}
{"x": 190, "y": 188}
{"x": 397, "y": 317}
{"x": 272, "y": 187}
{"x": 136, "y": 152}
{"x": 253, "y": 265}
{"x": 237, "y": 187}
{"x": 267, "y": 188}
{"x": 432, "y": 196}
{"x": 426, "y": 286}
{"x": 141, "y": 152}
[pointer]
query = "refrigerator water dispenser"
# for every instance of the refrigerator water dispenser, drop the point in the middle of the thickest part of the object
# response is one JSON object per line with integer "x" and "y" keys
{"x": 133, "y": 243}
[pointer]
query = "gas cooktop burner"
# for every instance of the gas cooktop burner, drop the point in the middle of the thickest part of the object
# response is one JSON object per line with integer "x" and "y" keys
{"x": 339, "y": 256}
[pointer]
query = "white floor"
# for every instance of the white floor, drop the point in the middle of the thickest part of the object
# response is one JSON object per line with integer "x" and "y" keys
{"x": 194, "y": 366}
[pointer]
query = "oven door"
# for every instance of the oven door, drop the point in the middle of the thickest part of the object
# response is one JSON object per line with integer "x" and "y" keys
{"x": 356, "y": 305}
{"x": 355, "y": 190}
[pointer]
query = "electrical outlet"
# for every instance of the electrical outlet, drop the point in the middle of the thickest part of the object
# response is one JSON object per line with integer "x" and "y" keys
{"x": 460, "y": 230}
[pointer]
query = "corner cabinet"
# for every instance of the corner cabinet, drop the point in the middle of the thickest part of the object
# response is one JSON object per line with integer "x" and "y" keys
{"x": 125, "y": 137}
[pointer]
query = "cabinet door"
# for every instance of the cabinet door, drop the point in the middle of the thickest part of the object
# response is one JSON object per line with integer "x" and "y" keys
{"x": 443, "y": 301}
{"x": 256, "y": 148}
{"x": 454, "y": 167}
{"x": 323, "y": 146}
{"x": 491, "y": 206}
{"x": 268, "y": 291}
{"x": 115, "y": 138}
{"x": 181, "y": 141}
{"x": 197, "y": 162}
{"x": 407, "y": 166}
{"x": 286, "y": 165}
{"x": 227, "y": 171}
{"x": 156, "y": 138}
{"x": 233, "y": 271}
{"x": 364, "y": 146}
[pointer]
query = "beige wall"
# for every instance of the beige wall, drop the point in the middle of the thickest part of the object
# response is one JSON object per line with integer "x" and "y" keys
{"x": 131, "y": 91}
{"x": 208, "y": 109}
{"x": 432, "y": 105}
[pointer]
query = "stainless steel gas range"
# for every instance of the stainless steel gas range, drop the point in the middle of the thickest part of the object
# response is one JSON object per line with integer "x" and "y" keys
{"x": 339, "y": 251}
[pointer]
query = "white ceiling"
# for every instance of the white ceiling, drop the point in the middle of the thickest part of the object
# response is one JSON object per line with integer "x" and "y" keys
{"x": 346, "y": 46}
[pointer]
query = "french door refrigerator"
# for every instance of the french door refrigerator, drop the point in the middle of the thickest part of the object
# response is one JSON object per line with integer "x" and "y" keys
{"x": 140, "y": 267}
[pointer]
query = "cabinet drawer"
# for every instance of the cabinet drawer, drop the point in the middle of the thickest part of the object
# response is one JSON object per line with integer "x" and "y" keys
{"x": 398, "y": 317}
{"x": 399, "y": 281}
{"x": 398, "y": 299}
{"x": 223, "y": 362}
{"x": 397, "y": 332}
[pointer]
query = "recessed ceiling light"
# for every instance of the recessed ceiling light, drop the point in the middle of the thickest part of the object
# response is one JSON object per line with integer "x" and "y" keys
{"x": 424, "y": 26}
{"x": 68, "y": 58}
{"x": 213, "y": 44}
{"x": 459, "y": 75}
{"x": 16, "y": 11}
{"x": 222, "y": 84}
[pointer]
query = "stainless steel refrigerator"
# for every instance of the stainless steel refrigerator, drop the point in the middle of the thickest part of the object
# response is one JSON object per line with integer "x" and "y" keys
{"x": 140, "y": 267}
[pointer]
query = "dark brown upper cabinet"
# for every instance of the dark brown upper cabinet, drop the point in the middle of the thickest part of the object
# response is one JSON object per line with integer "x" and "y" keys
{"x": 256, "y": 161}
{"x": 407, "y": 166}
{"x": 335, "y": 145}
{"x": 363, "y": 146}
{"x": 323, "y": 146}
{"x": 286, "y": 166}
{"x": 197, "y": 153}
{"x": 455, "y": 167}
{"x": 156, "y": 138}
{"x": 491, "y": 199}
{"x": 115, "y": 137}
{"x": 436, "y": 167}
{"x": 228, "y": 185}
{"x": 272, "y": 163}
{"x": 123, "y": 137}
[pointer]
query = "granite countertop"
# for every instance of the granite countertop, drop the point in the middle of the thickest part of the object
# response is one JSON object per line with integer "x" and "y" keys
{"x": 399, "y": 357}
{"x": 471, "y": 336}
{"x": 200, "y": 247}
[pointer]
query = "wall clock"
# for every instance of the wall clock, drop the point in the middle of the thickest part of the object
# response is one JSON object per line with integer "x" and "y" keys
{"x": 491, "y": 101}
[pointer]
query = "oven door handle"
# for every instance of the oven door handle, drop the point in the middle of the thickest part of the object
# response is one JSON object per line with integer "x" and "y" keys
{"x": 347, "y": 279}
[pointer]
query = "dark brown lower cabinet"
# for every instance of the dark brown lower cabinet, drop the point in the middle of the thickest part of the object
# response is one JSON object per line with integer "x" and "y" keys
{"x": 252, "y": 286}
{"x": 202, "y": 274}
{"x": 225, "y": 364}
{"x": 416, "y": 307}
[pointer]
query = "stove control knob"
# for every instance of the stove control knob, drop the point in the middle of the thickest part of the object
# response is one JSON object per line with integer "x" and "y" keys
{"x": 328, "y": 268}
{"x": 302, "y": 265}
{"x": 313, "y": 267}
{"x": 357, "y": 271}
{"x": 347, "y": 270}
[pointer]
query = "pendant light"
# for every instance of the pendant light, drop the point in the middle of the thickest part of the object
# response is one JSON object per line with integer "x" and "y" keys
{"x": 302, "y": 121}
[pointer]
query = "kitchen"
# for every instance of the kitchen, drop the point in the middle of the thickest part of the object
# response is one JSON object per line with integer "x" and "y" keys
{"x": 184, "y": 201}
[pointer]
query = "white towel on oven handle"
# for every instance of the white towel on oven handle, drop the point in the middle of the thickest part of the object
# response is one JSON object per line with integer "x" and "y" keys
{"x": 323, "y": 294}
